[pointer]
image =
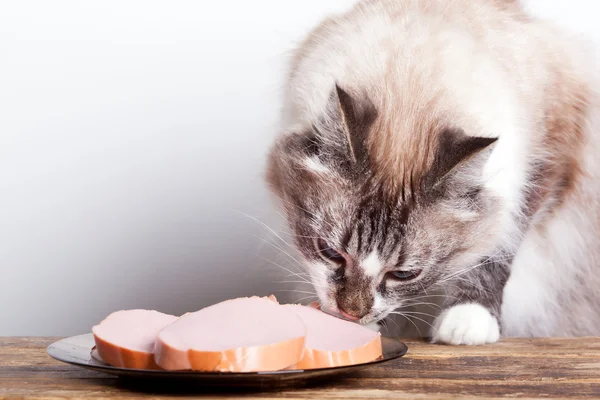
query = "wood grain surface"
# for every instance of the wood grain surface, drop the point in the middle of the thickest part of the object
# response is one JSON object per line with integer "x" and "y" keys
{"x": 516, "y": 368}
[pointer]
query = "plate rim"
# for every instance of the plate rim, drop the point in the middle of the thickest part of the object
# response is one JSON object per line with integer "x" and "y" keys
{"x": 51, "y": 348}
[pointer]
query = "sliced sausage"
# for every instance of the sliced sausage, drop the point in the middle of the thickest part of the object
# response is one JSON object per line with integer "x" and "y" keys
{"x": 126, "y": 338}
{"x": 333, "y": 342}
{"x": 239, "y": 335}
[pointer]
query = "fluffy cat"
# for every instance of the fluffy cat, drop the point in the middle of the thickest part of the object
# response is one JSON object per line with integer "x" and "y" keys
{"x": 446, "y": 146}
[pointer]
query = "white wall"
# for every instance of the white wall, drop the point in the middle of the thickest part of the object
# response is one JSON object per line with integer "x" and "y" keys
{"x": 132, "y": 135}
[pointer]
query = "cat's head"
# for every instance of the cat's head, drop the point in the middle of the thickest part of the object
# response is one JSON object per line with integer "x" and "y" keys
{"x": 379, "y": 227}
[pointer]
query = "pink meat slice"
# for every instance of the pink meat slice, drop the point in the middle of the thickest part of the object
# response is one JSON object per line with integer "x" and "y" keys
{"x": 126, "y": 338}
{"x": 331, "y": 341}
{"x": 244, "y": 334}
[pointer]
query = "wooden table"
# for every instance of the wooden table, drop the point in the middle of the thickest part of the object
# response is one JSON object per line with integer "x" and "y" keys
{"x": 521, "y": 368}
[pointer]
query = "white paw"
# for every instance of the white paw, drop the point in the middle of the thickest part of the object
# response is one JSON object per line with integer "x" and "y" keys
{"x": 469, "y": 324}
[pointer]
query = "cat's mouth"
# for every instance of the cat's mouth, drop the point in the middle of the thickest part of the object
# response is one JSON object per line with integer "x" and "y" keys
{"x": 365, "y": 320}
{"x": 338, "y": 313}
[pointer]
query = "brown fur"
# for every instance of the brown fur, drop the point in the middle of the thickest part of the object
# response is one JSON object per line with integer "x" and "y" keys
{"x": 565, "y": 117}
{"x": 556, "y": 176}
{"x": 404, "y": 139}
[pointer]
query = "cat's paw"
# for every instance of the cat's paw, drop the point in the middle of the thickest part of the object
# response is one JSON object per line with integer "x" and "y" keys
{"x": 470, "y": 324}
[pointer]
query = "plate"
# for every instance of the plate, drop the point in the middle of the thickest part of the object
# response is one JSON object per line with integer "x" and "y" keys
{"x": 77, "y": 351}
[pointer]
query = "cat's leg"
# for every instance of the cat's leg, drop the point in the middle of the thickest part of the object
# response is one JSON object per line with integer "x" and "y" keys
{"x": 472, "y": 313}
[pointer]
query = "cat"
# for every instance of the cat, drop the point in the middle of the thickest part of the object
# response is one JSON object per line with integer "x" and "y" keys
{"x": 451, "y": 147}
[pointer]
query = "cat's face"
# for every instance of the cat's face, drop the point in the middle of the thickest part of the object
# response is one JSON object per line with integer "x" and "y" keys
{"x": 375, "y": 242}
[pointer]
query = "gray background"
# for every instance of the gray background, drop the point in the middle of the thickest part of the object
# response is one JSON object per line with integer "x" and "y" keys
{"x": 132, "y": 143}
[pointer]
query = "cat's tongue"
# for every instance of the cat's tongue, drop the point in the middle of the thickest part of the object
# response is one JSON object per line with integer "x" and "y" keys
{"x": 315, "y": 304}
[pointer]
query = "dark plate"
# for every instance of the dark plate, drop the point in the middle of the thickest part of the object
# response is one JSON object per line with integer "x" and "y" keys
{"x": 76, "y": 350}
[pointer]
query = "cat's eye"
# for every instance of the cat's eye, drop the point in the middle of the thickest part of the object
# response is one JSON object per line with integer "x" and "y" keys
{"x": 339, "y": 275}
{"x": 404, "y": 275}
{"x": 328, "y": 253}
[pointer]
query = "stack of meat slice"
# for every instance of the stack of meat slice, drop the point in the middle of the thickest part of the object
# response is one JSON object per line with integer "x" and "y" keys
{"x": 250, "y": 334}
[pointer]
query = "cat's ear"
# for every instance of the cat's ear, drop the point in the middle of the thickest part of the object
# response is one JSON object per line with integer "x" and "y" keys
{"x": 293, "y": 160}
{"x": 350, "y": 119}
{"x": 455, "y": 148}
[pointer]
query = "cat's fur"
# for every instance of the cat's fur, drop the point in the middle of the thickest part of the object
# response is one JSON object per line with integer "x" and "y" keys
{"x": 457, "y": 138}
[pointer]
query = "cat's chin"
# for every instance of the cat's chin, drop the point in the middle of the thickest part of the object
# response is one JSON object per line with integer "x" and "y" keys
{"x": 374, "y": 326}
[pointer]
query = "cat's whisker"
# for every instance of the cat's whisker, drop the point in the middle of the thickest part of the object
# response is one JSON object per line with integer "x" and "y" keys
{"x": 285, "y": 269}
{"x": 409, "y": 320}
{"x": 267, "y": 227}
{"x": 474, "y": 284}
{"x": 412, "y": 316}
{"x": 312, "y": 214}
{"x": 460, "y": 289}
{"x": 278, "y": 234}
{"x": 445, "y": 296}
{"x": 298, "y": 263}
{"x": 417, "y": 304}
{"x": 303, "y": 236}
{"x": 299, "y": 273}
{"x": 465, "y": 270}
{"x": 419, "y": 313}
{"x": 303, "y": 282}
{"x": 385, "y": 325}
{"x": 300, "y": 300}
{"x": 303, "y": 273}
{"x": 389, "y": 318}
{"x": 426, "y": 296}
{"x": 297, "y": 291}
{"x": 461, "y": 272}
{"x": 422, "y": 287}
